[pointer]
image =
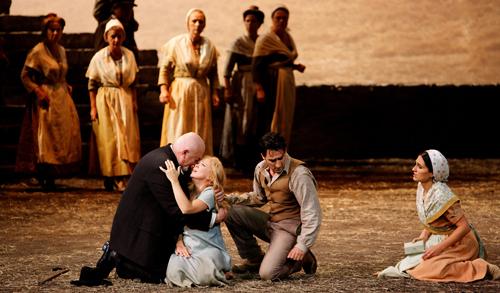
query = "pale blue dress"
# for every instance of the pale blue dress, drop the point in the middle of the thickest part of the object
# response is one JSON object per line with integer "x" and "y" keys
{"x": 209, "y": 257}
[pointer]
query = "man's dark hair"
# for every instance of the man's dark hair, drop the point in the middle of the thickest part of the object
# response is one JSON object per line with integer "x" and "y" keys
{"x": 271, "y": 141}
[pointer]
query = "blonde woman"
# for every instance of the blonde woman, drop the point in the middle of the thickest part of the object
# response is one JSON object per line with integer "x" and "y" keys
{"x": 113, "y": 107}
{"x": 200, "y": 258}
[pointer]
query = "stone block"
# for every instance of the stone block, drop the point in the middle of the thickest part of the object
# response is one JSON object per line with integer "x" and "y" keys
{"x": 10, "y": 133}
{"x": 19, "y": 23}
{"x": 20, "y": 40}
{"x": 78, "y": 41}
{"x": 148, "y": 75}
{"x": 79, "y": 57}
{"x": 148, "y": 57}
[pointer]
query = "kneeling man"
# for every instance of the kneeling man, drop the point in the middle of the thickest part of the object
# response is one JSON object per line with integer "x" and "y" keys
{"x": 283, "y": 209}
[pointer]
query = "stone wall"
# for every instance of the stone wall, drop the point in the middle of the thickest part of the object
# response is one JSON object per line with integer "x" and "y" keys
{"x": 331, "y": 122}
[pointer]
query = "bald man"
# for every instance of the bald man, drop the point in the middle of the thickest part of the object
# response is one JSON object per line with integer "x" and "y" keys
{"x": 148, "y": 221}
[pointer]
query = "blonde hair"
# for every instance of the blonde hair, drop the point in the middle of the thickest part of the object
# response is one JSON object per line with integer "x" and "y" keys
{"x": 217, "y": 175}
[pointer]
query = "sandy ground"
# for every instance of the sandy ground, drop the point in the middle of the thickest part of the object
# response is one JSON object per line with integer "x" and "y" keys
{"x": 368, "y": 211}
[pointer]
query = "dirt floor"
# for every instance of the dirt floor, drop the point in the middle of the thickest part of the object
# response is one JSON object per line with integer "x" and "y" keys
{"x": 368, "y": 212}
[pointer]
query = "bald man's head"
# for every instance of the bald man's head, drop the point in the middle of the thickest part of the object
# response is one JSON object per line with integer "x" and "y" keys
{"x": 188, "y": 149}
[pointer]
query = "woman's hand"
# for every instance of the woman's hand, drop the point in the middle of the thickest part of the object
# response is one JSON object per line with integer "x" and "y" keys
{"x": 171, "y": 172}
{"x": 299, "y": 67}
{"x": 261, "y": 94}
{"x": 215, "y": 100}
{"x": 93, "y": 114}
{"x": 228, "y": 94}
{"x": 43, "y": 98}
{"x": 70, "y": 89}
{"x": 165, "y": 96}
{"x": 432, "y": 251}
{"x": 424, "y": 235}
{"x": 181, "y": 249}
{"x": 418, "y": 239}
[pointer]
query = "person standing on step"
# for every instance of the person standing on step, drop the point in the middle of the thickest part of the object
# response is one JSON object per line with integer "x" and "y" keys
{"x": 123, "y": 10}
{"x": 239, "y": 140}
{"x": 113, "y": 108}
{"x": 273, "y": 66}
{"x": 188, "y": 82}
{"x": 50, "y": 144}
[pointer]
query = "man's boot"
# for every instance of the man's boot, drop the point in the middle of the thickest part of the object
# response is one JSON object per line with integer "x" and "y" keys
{"x": 249, "y": 265}
{"x": 95, "y": 276}
{"x": 309, "y": 263}
{"x": 107, "y": 262}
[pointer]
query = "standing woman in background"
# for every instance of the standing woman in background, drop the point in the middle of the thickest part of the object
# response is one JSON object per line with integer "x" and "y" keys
{"x": 272, "y": 67}
{"x": 50, "y": 142}
{"x": 239, "y": 137}
{"x": 113, "y": 107}
{"x": 188, "y": 83}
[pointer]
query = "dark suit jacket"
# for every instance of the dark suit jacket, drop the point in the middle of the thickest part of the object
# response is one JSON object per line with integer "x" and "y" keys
{"x": 148, "y": 220}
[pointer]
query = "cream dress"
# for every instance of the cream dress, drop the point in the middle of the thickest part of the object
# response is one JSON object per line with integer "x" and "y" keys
{"x": 192, "y": 80}
{"x": 117, "y": 126}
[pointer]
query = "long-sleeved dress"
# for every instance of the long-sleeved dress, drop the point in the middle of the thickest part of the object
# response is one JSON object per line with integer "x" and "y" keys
{"x": 117, "y": 127}
{"x": 240, "y": 128}
{"x": 273, "y": 69}
{"x": 461, "y": 262}
{"x": 192, "y": 79}
{"x": 49, "y": 136}
{"x": 209, "y": 258}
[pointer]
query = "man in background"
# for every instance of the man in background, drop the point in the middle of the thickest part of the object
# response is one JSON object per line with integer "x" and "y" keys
{"x": 123, "y": 10}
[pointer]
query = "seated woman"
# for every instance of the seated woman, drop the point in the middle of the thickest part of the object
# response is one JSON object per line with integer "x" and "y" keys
{"x": 200, "y": 258}
{"x": 453, "y": 249}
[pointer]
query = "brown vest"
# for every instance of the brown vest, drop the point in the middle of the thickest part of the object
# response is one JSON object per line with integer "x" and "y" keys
{"x": 281, "y": 203}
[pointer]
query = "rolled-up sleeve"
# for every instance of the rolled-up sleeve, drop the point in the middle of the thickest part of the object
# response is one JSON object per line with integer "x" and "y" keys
{"x": 304, "y": 187}
{"x": 255, "y": 198}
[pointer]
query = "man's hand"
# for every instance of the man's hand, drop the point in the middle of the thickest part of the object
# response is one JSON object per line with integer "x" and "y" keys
{"x": 221, "y": 216}
{"x": 296, "y": 254}
{"x": 219, "y": 195}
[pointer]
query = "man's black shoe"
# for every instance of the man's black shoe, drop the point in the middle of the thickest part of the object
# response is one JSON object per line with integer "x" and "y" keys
{"x": 310, "y": 264}
{"x": 90, "y": 277}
